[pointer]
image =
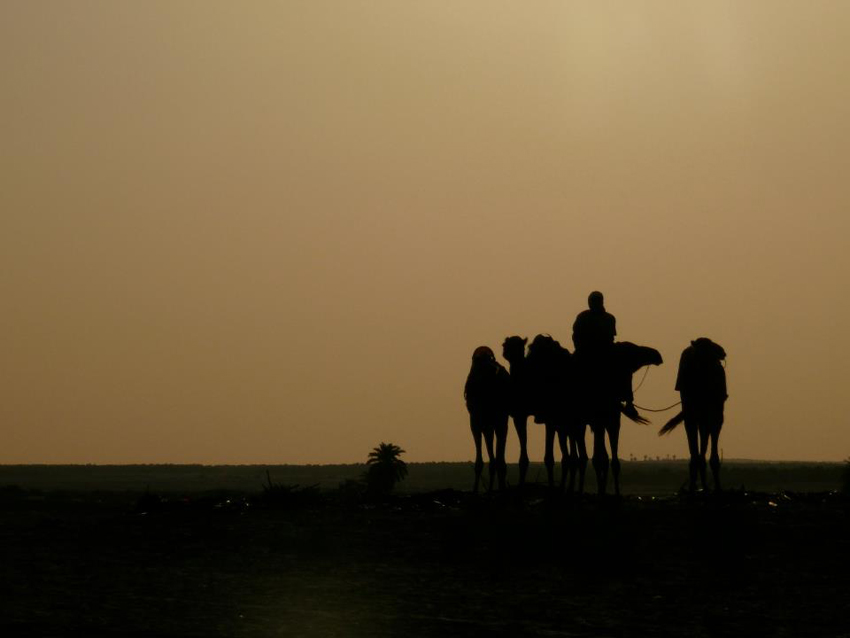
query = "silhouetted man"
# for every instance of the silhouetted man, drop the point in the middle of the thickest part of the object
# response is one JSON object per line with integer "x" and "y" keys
{"x": 593, "y": 335}
{"x": 595, "y": 328}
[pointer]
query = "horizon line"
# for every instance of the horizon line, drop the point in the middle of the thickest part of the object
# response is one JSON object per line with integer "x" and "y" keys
{"x": 468, "y": 462}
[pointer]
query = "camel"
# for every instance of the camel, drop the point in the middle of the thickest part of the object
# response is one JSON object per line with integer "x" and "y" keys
{"x": 486, "y": 394}
{"x": 604, "y": 388}
{"x": 551, "y": 373}
{"x": 701, "y": 383}
{"x": 513, "y": 350}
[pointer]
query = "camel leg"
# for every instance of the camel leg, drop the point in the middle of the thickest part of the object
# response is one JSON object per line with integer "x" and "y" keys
{"x": 693, "y": 450}
{"x": 565, "y": 454}
{"x": 703, "y": 449}
{"x": 491, "y": 466}
{"x": 614, "y": 440}
{"x": 521, "y": 423}
{"x": 501, "y": 444}
{"x": 549, "y": 455}
{"x": 572, "y": 462}
{"x": 600, "y": 458}
{"x": 479, "y": 462}
{"x": 582, "y": 457}
{"x": 714, "y": 460}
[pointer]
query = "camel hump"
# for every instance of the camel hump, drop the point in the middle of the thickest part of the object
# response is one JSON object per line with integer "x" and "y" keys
{"x": 701, "y": 372}
{"x": 483, "y": 353}
{"x": 708, "y": 349}
{"x": 487, "y": 385}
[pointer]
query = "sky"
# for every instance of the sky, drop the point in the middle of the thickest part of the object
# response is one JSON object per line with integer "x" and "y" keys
{"x": 274, "y": 232}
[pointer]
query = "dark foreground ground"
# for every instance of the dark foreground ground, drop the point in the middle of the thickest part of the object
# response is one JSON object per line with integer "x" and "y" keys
{"x": 430, "y": 563}
{"x": 640, "y": 478}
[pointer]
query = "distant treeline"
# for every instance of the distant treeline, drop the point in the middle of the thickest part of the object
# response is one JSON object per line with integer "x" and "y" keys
{"x": 645, "y": 477}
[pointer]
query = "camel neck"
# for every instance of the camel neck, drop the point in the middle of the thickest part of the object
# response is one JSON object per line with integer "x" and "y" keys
{"x": 516, "y": 364}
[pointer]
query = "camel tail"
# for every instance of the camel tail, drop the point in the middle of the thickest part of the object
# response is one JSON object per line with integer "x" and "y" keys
{"x": 671, "y": 424}
{"x": 634, "y": 415}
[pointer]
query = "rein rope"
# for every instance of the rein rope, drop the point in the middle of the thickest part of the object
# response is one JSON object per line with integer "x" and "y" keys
{"x": 645, "y": 372}
{"x": 640, "y": 407}
{"x": 669, "y": 407}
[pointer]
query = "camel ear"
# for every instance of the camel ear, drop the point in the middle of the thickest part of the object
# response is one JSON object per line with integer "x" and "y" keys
{"x": 525, "y": 341}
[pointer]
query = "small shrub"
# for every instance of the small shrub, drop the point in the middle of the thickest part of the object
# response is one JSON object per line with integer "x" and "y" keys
{"x": 149, "y": 502}
{"x": 385, "y": 469}
{"x": 11, "y": 493}
{"x": 283, "y": 495}
{"x": 351, "y": 491}
{"x": 846, "y": 477}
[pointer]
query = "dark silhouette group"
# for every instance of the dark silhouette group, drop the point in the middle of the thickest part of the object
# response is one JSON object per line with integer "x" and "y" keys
{"x": 591, "y": 386}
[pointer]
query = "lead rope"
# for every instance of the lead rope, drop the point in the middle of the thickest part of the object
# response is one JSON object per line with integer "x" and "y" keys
{"x": 645, "y": 372}
{"x": 669, "y": 407}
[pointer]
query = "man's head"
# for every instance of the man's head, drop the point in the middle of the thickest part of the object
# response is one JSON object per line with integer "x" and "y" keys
{"x": 595, "y": 301}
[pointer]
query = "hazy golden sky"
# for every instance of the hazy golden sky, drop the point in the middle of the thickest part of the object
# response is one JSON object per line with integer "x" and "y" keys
{"x": 245, "y": 232}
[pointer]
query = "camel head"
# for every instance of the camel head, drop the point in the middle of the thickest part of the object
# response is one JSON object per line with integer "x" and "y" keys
{"x": 513, "y": 348}
{"x": 546, "y": 348}
{"x": 541, "y": 345}
{"x": 633, "y": 357}
{"x": 654, "y": 357}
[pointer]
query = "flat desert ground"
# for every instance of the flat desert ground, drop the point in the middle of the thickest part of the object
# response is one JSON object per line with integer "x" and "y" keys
{"x": 201, "y": 551}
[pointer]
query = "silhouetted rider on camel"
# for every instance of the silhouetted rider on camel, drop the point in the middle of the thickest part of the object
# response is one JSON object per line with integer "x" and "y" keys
{"x": 593, "y": 335}
{"x": 605, "y": 370}
{"x": 595, "y": 328}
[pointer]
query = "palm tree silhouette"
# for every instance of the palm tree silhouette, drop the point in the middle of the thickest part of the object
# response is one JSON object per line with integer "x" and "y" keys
{"x": 385, "y": 468}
